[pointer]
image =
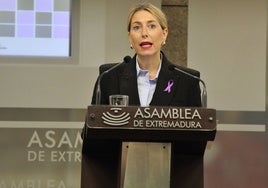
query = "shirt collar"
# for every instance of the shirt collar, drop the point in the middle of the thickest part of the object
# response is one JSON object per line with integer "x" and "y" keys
{"x": 140, "y": 71}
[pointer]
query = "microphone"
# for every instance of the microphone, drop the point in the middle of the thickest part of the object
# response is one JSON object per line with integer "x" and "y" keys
{"x": 127, "y": 59}
{"x": 204, "y": 90}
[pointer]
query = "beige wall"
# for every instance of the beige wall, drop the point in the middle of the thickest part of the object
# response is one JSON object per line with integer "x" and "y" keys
{"x": 227, "y": 43}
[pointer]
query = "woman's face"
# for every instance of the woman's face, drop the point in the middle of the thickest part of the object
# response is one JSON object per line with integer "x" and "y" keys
{"x": 146, "y": 35}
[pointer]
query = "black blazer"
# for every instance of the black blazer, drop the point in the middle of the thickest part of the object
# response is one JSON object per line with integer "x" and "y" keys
{"x": 123, "y": 80}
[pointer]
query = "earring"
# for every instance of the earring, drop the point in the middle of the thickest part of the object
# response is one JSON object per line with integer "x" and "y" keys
{"x": 131, "y": 47}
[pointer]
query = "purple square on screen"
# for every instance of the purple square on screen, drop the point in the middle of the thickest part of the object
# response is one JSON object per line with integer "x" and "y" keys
{"x": 61, "y": 32}
{"x": 25, "y": 17}
{"x": 44, "y": 6}
{"x": 25, "y": 31}
{"x": 7, "y": 4}
{"x": 61, "y": 18}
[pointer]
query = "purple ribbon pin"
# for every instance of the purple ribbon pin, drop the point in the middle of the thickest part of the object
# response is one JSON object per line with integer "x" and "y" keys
{"x": 169, "y": 85}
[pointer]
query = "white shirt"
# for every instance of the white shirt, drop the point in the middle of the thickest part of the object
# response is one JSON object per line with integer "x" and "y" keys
{"x": 146, "y": 86}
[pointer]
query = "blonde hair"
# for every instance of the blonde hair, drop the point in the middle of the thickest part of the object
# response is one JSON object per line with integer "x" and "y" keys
{"x": 161, "y": 17}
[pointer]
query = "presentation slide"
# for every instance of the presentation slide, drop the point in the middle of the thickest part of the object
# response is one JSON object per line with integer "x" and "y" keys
{"x": 35, "y": 28}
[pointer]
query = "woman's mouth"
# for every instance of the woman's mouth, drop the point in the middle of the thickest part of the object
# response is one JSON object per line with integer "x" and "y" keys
{"x": 146, "y": 44}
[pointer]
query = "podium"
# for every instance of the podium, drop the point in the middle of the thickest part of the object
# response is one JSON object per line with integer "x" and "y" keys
{"x": 187, "y": 130}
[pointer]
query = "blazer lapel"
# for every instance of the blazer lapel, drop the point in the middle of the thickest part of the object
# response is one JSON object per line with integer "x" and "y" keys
{"x": 166, "y": 85}
{"x": 128, "y": 83}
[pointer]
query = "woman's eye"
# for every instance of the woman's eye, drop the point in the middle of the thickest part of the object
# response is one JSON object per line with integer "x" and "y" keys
{"x": 152, "y": 26}
{"x": 136, "y": 27}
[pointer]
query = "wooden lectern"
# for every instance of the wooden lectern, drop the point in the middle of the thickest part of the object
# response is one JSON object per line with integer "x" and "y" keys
{"x": 187, "y": 129}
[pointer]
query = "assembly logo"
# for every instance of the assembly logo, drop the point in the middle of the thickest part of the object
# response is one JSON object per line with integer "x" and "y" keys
{"x": 116, "y": 117}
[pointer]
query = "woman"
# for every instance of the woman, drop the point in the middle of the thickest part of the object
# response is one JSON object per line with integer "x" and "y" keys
{"x": 148, "y": 79}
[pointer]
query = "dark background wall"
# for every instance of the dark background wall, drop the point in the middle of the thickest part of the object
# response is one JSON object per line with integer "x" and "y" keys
{"x": 176, "y": 45}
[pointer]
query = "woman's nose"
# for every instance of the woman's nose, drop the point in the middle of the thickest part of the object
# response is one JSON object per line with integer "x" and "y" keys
{"x": 144, "y": 32}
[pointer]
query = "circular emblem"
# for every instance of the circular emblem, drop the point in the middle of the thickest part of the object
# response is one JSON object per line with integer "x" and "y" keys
{"x": 115, "y": 117}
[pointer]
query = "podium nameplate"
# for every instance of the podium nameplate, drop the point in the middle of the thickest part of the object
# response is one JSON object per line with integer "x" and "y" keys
{"x": 133, "y": 123}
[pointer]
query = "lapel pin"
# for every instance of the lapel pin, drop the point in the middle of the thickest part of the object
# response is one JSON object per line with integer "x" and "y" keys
{"x": 169, "y": 86}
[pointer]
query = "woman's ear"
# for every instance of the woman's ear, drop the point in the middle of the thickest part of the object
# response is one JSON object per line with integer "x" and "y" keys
{"x": 165, "y": 34}
{"x": 130, "y": 41}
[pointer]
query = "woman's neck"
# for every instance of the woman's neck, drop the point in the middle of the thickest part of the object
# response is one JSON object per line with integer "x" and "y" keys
{"x": 150, "y": 63}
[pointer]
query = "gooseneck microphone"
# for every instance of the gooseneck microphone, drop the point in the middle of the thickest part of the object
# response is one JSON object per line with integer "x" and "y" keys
{"x": 204, "y": 90}
{"x": 127, "y": 59}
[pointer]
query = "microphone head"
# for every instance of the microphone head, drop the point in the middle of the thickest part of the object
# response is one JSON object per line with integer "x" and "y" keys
{"x": 127, "y": 59}
{"x": 171, "y": 67}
